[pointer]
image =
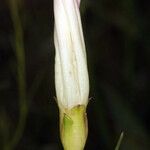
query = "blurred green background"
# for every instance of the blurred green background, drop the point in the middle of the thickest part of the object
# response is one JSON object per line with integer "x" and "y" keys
{"x": 117, "y": 36}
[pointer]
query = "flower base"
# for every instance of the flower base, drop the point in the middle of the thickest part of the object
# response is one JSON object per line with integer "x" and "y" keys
{"x": 73, "y": 128}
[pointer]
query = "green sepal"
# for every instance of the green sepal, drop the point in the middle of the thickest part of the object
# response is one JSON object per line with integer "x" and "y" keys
{"x": 73, "y": 128}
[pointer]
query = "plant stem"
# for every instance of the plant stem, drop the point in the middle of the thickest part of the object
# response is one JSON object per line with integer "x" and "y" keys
{"x": 119, "y": 141}
{"x": 21, "y": 73}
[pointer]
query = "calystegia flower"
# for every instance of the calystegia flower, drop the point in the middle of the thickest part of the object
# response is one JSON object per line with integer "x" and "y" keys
{"x": 71, "y": 74}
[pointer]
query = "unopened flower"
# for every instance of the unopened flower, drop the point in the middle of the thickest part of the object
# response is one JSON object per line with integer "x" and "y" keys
{"x": 71, "y": 74}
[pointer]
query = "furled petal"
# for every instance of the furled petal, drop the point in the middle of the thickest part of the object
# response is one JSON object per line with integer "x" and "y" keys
{"x": 71, "y": 74}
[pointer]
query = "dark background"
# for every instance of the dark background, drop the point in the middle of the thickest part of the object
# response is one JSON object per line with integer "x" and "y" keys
{"x": 117, "y": 36}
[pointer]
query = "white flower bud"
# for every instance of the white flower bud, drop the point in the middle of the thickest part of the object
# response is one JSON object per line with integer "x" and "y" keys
{"x": 71, "y": 74}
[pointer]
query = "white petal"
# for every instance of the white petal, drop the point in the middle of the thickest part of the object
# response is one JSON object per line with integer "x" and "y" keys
{"x": 71, "y": 75}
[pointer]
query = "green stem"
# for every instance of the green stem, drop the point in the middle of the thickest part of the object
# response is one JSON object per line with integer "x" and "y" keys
{"x": 119, "y": 141}
{"x": 21, "y": 73}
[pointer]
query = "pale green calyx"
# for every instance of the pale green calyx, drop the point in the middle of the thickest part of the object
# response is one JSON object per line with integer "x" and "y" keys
{"x": 73, "y": 128}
